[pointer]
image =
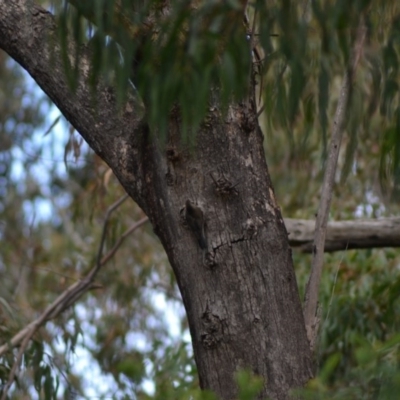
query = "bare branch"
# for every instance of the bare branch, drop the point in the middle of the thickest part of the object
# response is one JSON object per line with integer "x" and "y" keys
{"x": 68, "y": 297}
{"x": 110, "y": 210}
{"x": 122, "y": 238}
{"x": 346, "y": 235}
{"x": 312, "y": 290}
{"x": 29, "y": 34}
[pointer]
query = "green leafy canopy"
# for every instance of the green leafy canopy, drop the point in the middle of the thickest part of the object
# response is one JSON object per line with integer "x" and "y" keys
{"x": 172, "y": 54}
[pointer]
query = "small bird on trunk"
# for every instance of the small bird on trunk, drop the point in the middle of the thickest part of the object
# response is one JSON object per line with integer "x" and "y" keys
{"x": 195, "y": 219}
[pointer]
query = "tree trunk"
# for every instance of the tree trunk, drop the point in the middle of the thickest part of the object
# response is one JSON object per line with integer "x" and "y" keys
{"x": 240, "y": 294}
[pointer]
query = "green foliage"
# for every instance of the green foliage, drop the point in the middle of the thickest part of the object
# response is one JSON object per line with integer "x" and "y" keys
{"x": 375, "y": 374}
{"x": 173, "y": 55}
{"x": 359, "y": 347}
{"x": 119, "y": 328}
{"x": 307, "y": 52}
{"x": 249, "y": 385}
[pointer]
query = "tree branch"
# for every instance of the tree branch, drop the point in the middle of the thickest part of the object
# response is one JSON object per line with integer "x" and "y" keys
{"x": 312, "y": 290}
{"x": 346, "y": 235}
{"x": 67, "y": 298}
{"x": 28, "y": 33}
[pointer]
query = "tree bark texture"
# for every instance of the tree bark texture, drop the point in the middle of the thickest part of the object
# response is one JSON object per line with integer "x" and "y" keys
{"x": 240, "y": 294}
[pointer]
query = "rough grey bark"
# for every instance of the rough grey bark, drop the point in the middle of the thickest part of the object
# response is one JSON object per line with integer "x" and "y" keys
{"x": 240, "y": 295}
{"x": 346, "y": 235}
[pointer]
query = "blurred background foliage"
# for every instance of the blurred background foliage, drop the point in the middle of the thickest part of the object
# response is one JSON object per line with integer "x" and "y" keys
{"x": 129, "y": 338}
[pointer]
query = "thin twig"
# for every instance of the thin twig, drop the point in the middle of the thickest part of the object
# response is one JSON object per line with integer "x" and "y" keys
{"x": 312, "y": 290}
{"x": 122, "y": 238}
{"x": 68, "y": 297}
{"x": 261, "y": 110}
{"x": 334, "y": 286}
{"x": 15, "y": 367}
{"x": 110, "y": 210}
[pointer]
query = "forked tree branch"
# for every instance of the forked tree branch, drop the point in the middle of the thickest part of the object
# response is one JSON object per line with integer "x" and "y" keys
{"x": 67, "y": 298}
{"x": 312, "y": 290}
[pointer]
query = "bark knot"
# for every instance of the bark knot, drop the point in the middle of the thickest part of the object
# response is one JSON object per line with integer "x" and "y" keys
{"x": 212, "y": 329}
{"x": 223, "y": 186}
{"x": 173, "y": 154}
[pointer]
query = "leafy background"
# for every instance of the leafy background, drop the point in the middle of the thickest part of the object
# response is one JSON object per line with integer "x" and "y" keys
{"x": 128, "y": 338}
